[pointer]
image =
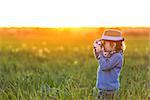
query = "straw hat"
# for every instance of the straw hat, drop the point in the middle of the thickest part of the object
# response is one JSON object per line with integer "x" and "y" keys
{"x": 112, "y": 35}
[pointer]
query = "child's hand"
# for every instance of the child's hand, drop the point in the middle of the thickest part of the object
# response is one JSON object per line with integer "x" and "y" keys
{"x": 97, "y": 45}
{"x": 97, "y": 48}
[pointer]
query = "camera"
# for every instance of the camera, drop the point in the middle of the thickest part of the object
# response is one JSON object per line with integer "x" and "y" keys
{"x": 98, "y": 43}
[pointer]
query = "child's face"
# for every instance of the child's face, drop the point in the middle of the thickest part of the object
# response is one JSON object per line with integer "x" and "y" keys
{"x": 108, "y": 47}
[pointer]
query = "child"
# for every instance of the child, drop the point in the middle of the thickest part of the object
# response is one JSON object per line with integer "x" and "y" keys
{"x": 109, "y": 52}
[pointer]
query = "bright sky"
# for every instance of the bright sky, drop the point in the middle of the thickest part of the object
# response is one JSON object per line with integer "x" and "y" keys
{"x": 74, "y": 13}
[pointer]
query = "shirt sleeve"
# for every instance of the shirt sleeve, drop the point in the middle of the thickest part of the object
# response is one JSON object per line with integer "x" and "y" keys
{"x": 107, "y": 64}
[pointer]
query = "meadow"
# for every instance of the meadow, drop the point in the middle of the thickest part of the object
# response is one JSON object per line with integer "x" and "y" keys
{"x": 61, "y": 67}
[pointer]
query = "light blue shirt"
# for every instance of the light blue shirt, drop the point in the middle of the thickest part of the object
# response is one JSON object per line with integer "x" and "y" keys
{"x": 108, "y": 71}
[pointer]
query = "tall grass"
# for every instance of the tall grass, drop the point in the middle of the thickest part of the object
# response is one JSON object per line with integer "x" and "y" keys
{"x": 41, "y": 70}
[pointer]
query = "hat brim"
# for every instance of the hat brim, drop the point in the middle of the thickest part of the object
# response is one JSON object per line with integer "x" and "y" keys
{"x": 110, "y": 38}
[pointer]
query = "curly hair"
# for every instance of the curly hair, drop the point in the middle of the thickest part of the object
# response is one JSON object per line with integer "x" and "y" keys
{"x": 120, "y": 45}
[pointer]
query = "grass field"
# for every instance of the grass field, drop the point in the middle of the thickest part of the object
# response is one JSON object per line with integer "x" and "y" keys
{"x": 34, "y": 69}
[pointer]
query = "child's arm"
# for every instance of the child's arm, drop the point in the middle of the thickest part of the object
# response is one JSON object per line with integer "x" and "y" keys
{"x": 96, "y": 54}
{"x": 109, "y": 63}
